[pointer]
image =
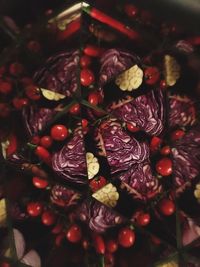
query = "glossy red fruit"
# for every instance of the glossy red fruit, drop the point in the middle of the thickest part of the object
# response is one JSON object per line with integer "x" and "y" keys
{"x": 131, "y": 10}
{"x": 48, "y": 218}
{"x": 87, "y": 77}
{"x": 33, "y": 92}
{"x": 132, "y": 128}
{"x": 166, "y": 207}
{"x": 99, "y": 244}
{"x": 35, "y": 140}
{"x": 152, "y": 75}
{"x": 5, "y": 87}
{"x": 19, "y": 103}
{"x": 59, "y": 132}
{"x": 166, "y": 150}
{"x": 85, "y": 61}
{"x": 16, "y": 68}
{"x": 39, "y": 183}
{"x": 111, "y": 245}
{"x": 93, "y": 98}
{"x": 155, "y": 143}
{"x": 74, "y": 233}
{"x": 97, "y": 183}
{"x": 143, "y": 219}
{"x": 164, "y": 166}
{"x": 13, "y": 143}
{"x": 126, "y": 237}
{"x": 34, "y": 46}
{"x": 46, "y": 141}
{"x": 34, "y": 209}
{"x": 43, "y": 154}
{"x": 4, "y": 110}
{"x": 84, "y": 123}
{"x": 75, "y": 109}
{"x": 176, "y": 135}
{"x": 57, "y": 228}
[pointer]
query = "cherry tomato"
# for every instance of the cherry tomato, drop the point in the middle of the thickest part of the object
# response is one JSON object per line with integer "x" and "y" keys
{"x": 33, "y": 92}
{"x": 132, "y": 128}
{"x": 131, "y": 10}
{"x": 111, "y": 245}
{"x": 59, "y": 238}
{"x": 57, "y": 228}
{"x": 4, "y": 110}
{"x": 59, "y": 132}
{"x": 87, "y": 77}
{"x": 43, "y": 154}
{"x": 126, "y": 237}
{"x": 143, "y": 219}
{"x": 19, "y": 103}
{"x": 166, "y": 150}
{"x": 75, "y": 109}
{"x": 178, "y": 134}
{"x": 34, "y": 46}
{"x": 152, "y": 75}
{"x": 48, "y": 218}
{"x": 166, "y": 207}
{"x": 99, "y": 244}
{"x": 97, "y": 183}
{"x": 35, "y": 140}
{"x": 16, "y": 68}
{"x": 34, "y": 209}
{"x": 39, "y": 183}
{"x": 5, "y": 87}
{"x": 74, "y": 233}
{"x": 84, "y": 123}
{"x": 93, "y": 98}
{"x": 155, "y": 143}
{"x": 85, "y": 61}
{"x": 164, "y": 166}
{"x": 46, "y": 141}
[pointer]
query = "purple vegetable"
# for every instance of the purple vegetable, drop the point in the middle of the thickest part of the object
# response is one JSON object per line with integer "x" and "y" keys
{"x": 145, "y": 112}
{"x": 98, "y": 216}
{"x": 182, "y": 111}
{"x": 60, "y": 73}
{"x": 70, "y": 162}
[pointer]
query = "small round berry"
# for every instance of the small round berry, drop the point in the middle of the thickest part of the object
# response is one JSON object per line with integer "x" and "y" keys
{"x": 131, "y": 10}
{"x": 111, "y": 245}
{"x": 59, "y": 132}
{"x": 33, "y": 92}
{"x": 46, "y": 141}
{"x": 74, "y": 233}
{"x": 48, "y": 218}
{"x": 143, "y": 219}
{"x": 126, "y": 237}
{"x": 34, "y": 209}
{"x": 164, "y": 166}
{"x": 152, "y": 75}
{"x": 75, "y": 109}
{"x": 166, "y": 207}
{"x": 93, "y": 98}
{"x": 5, "y": 87}
{"x": 87, "y": 77}
{"x": 39, "y": 183}
{"x": 132, "y": 128}
{"x": 178, "y": 134}
{"x": 16, "y": 68}
{"x": 85, "y": 61}
{"x": 166, "y": 150}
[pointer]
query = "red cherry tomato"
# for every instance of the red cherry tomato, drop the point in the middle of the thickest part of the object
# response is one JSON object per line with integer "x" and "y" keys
{"x": 74, "y": 234}
{"x": 85, "y": 61}
{"x": 5, "y": 87}
{"x": 16, "y": 68}
{"x": 164, "y": 166}
{"x": 43, "y": 154}
{"x": 166, "y": 150}
{"x": 48, "y": 218}
{"x": 111, "y": 245}
{"x": 87, "y": 77}
{"x": 152, "y": 75}
{"x": 34, "y": 46}
{"x": 46, "y": 141}
{"x": 19, "y": 103}
{"x": 4, "y": 110}
{"x": 178, "y": 134}
{"x": 84, "y": 123}
{"x": 97, "y": 183}
{"x": 132, "y": 128}
{"x": 126, "y": 237}
{"x": 75, "y": 109}
{"x": 59, "y": 132}
{"x": 155, "y": 143}
{"x": 35, "y": 140}
{"x": 57, "y": 228}
{"x": 143, "y": 219}
{"x": 93, "y": 98}
{"x": 34, "y": 209}
{"x": 39, "y": 183}
{"x": 166, "y": 207}
{"x": 99, "y": 244}
{"x": 33, "y": 92}
{"x": 131, "y": 10}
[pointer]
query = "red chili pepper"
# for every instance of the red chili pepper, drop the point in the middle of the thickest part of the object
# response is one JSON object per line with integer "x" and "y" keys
{"x": 93, "y": 51}
{"x": 71, "y": 28}
{"x": 99, "y": 15}
{"x": 99, "y": 244}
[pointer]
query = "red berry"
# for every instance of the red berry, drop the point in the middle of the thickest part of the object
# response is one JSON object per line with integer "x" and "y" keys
{"x": 178, "y": 134}
{"x": 99, "y": 244}
{"x": 48, "y": 218}
{"x": 75, "y": 109}
{"x": 85, "y": 61}
{"x": 97, "y": 183}
{"x": 35, "y": 140}
{"x": 166, "y": 150}
{"x": 5, "y": 87}
{"x": 19, "y": 103}
{"x": 39, "y": 183}
{"x": 59, "y": 239}
{"x": 16, "y": 68}
{"x": 111, "y": 245}
{"x": 34, "y": 209}
{"x": 93, "y": 99}
{"x": 126, "y": 237}
{"x": 164, "y": 166}
{"x": 109, "y": 260}
{"x": 132, "y": 128}
{"x": 33, "y": 92}
{"x": 87, "y": 77}
{"x": 59, "y": 132}
{"x": 46, "y": 141}
{"x": 143, "y": 219}
{"x": 4, "y": 110}
{"x": 131, "y": 10}
{"x": 84, "y": 123}
{"x": 34, "y": 46}
{"x": 152, "y": 75}
{"x": 74, "y": 234}
{"x": 166, "y": 207}
{"x": 155, "y": 143}
{"x": 43, "y": 154}
{"x": 57, "y": 228}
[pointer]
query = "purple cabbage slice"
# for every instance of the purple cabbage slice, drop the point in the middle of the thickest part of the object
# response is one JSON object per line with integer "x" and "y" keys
{"x": 70, "y": 162}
